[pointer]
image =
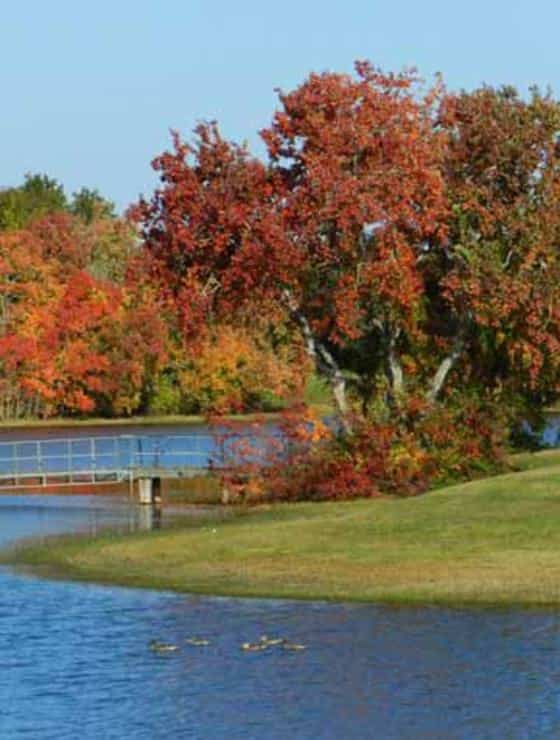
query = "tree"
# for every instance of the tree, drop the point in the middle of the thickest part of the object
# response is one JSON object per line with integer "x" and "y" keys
{"x": 329, "y": 233}
{"x": 197, "y": 224}
{"x": 38, "y": 196}
{"x": 493, "y": 291}
{"x": 237, "y": 369}
{"x": 92, "y": 347}
{"x": 411, "y": 238}
{"x": 90, "y": 205}
{"x": 103, "y": 247}
{"x": 356, "y": 164}
{"x": 71, "y": 340}
{"x": 25, "y": 279}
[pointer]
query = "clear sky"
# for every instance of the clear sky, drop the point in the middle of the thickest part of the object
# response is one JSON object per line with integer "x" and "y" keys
{"x": 91, "y": 89}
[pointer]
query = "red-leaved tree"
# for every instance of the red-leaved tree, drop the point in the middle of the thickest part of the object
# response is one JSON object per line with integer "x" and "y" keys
{"x": 411, "y": 237}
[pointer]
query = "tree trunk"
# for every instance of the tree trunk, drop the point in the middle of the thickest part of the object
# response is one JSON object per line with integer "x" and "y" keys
{"x": 445, "y": 367}
{"x": 393, "y": 367}
{"x": 325, "y": 363}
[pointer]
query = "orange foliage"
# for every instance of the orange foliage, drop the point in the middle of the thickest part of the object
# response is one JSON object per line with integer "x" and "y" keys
{"x": 71, "y": 343}
{"x": 237, "y": 370}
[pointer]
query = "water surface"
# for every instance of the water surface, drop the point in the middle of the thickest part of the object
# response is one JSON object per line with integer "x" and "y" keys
{"x": 76, "y": 663}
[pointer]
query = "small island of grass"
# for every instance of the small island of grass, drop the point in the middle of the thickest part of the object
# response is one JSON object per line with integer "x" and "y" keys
{"x": 491, "y": 542}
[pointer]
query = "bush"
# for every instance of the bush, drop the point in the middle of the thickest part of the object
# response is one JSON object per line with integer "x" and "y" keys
{"x": 165, "y": 397}
{"x": 308, "y": 460}
{"x": 237, "y": 371}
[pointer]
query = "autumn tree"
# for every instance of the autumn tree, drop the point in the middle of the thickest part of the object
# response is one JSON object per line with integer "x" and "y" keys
{"x": 25, "y": 279}
{"x": 356, "y": 164}
{"x": 494, "y": 289}
{"x": 198, "y": 223}
{"x": 91, "y": 347}
{"x": 80, "y": 327}
{"x": 329, "y": 233}
{"x": 236, "y": 369}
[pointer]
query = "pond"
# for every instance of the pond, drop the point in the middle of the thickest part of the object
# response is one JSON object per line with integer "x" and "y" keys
{"x": 76, "y": 660}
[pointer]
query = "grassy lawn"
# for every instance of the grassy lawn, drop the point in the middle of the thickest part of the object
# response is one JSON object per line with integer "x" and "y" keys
{"x": 489, "y": 542}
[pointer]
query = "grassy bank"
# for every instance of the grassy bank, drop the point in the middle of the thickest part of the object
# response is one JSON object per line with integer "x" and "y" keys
{"x": 129, "y": 421}
{"x": 488, "y": 542}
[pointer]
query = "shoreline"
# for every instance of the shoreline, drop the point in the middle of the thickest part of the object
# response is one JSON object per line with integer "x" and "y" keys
{"x": 489, "y": 543}
{"x": 147, "y": 421}
{"x": 129, "y": 421}
{"x": 52, "y": 573}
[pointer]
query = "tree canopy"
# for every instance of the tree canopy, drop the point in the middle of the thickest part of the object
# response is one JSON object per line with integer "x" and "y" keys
{"x": 405, "y": 234}
{"x": 408, "y": 234}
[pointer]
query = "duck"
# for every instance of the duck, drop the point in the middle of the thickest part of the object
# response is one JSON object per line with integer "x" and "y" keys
{"x": 271, "y": 641}
{"x": 253, "y": 647}
{"x": 197, "y": 642}
{"x": 162, "y": 647}
{"x": 293, "y": 646}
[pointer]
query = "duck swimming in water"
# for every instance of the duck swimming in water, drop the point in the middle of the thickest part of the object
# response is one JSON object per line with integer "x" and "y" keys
{"x": 162, "y": 647}
{"x": 197, "y": 642}
{"x": 253, "y": 647}
{"x": 271, "y": 641}
{"x": 293, "y": 646}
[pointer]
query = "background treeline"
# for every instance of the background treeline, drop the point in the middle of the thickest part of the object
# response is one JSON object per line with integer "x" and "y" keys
{"x": 84, "y": 329}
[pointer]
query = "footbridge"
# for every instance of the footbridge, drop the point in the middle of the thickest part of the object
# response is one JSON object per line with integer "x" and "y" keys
{"x": 98, "y": 460}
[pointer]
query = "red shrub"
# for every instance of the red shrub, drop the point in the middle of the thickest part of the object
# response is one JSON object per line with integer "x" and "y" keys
{"x": 301, "y": 458}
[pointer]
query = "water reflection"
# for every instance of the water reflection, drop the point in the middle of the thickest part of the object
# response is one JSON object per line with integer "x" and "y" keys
{"x": 149, "y": 518}
{"x": 76, "y": 660}
{"x": 40, "y": 516}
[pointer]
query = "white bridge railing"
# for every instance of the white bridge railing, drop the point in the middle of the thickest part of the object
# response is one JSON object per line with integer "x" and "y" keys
{"x": 86, "y": 460}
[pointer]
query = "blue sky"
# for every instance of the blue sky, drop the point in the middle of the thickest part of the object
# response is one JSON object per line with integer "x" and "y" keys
{"x": 90, "y": 90}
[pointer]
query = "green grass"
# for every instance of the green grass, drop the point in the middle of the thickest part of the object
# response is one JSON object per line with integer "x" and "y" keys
{"x": 125, "y": 422}
{"x": 521, "y": 461}
{"x": 318, "y": 395}
{"x": 488, "y": 542}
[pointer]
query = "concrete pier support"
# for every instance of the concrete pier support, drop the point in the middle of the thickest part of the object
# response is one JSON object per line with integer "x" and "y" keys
{"x": 149, "y": 490}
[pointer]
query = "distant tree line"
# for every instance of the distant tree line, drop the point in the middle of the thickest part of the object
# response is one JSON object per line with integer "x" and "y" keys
{"x": 85, "y": 331}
